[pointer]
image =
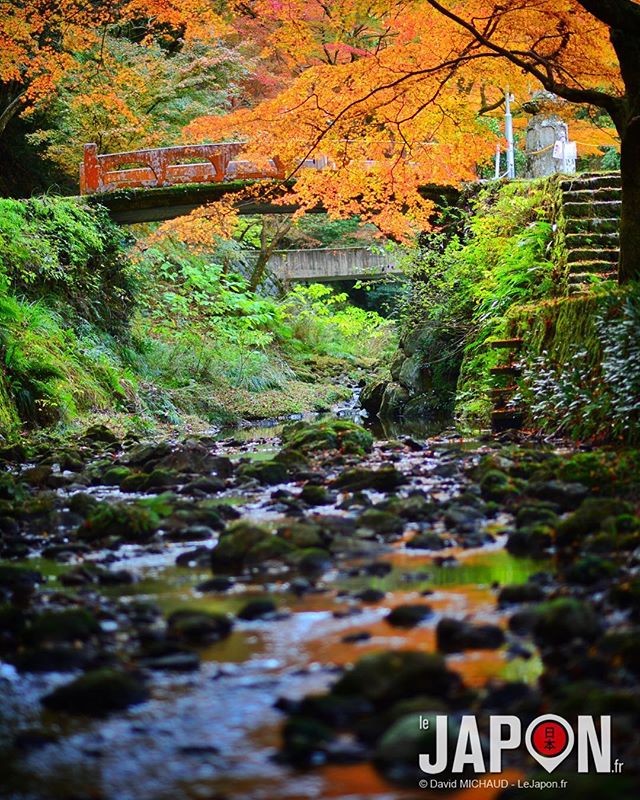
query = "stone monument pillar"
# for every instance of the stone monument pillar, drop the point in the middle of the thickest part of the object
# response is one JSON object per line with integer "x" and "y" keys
{"x": 548, "y": 149}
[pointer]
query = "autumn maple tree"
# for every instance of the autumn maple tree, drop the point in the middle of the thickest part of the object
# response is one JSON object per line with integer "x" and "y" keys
{"x": 396, "y": 94}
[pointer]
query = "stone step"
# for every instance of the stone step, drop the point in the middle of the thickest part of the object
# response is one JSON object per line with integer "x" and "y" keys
{"x": 511, "y": 344}
{"x": 597, "y": 267}
{"x": 501, "y": 397}
{"x": 507, "y": 419}
{"x": 592, "y": 195}
{"x": 593, "y": 254}
{"x": 579, "y": 278}
{"x": 575, "y": 241}
{"x": 592, "y": 225}
{"x": 508, "y": 369}
{"x": 602, "y": 180}
{"x": 605, "y": 209}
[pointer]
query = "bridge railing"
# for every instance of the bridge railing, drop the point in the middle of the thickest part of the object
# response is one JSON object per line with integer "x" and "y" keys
{"x": 169, "y": 166}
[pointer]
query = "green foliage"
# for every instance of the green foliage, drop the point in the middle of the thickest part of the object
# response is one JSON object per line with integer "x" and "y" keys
{"x": 464, "y": 284}
{"x": 69, "y": 252}
{"x": 323, "y": 321}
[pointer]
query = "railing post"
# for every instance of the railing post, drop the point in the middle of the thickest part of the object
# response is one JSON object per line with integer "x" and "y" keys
{"x": 90, "y": 174}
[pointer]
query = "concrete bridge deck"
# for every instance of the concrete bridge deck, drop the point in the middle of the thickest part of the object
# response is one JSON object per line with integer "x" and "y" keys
{"x": 324, "y": 265}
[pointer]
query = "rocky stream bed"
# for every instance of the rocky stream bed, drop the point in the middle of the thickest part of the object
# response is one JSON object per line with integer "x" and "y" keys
{"x": 268, "y": 615}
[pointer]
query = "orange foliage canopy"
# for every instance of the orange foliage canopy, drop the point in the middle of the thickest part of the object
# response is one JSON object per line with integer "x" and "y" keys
{"x": 396, "y": 94}
{"x": 40, "y": 39}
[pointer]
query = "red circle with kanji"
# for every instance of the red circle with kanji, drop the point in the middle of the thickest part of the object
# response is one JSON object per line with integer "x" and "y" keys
{"x": 549, "y": 738}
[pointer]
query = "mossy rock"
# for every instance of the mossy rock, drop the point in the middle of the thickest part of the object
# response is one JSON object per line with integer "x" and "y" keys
{"x": 236, "y": 542}
{"x": 381, "y": 522}
{"x": 115, "y": 475}
{"x": 408, "y": 615}
{"x": 533, "y": 541}
{"x": 70, "y": 625}
{"x": 14, "y": 577}
{"x": 589, "y": 570}
{"x": 497, "y": 485}
{"x": 302, "y": 534}
{"x": 397, "y": 752}
{"x": 589, "y": 518}
{"x": 97, "y": 693}
{"x": 130, "y": 522}
{"x": 304, "y": 739}
{"x": 271, "y": 549}
{"x": 311, "y": 561}
{"x": 100, "y": 433}
{"x": 198, "y": 627}
{"x": 316, "y": 495}
{"x": 269, "y": 473}
{"x": 387, "y": 677}
{"x": 385, "y": 479}
{"x": 559, "y": 621}
{"x": 340, "y": 434}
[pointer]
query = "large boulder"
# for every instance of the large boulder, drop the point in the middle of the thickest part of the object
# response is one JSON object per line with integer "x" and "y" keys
{"x": 414, "y": 376}
{"x": 394, "y": 399}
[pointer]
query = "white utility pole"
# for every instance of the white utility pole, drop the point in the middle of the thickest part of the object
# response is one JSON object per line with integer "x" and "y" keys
{"x": 508, "y": 132}
{"x": 497, "y": 172}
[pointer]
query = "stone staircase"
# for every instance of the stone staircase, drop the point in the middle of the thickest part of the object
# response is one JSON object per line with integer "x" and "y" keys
{"x": 591, "y": 204}
{"x": 506, "y": 413}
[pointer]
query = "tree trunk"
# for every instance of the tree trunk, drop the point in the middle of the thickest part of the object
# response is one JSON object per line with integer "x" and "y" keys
{"x": 629, "y": 266}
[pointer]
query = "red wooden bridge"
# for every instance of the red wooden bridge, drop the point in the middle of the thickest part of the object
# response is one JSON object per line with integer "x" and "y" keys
{"x": 171, "y": 166}
{"x": 167, "y": 182}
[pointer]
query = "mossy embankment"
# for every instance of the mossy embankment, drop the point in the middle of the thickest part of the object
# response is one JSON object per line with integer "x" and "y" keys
{"x": 501, "y": 273}
{"x": 94, "y": 323}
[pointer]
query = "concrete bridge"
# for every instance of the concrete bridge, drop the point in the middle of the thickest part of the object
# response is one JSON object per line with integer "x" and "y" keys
{"x": 163, "y": 183}
{"x": 323, "y": 265}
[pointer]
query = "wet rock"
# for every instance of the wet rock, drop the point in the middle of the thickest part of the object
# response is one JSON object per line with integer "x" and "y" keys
{"x": 181, "y": 661}
{"x": 302, "y": 534}
{"x": 13, "y": 578}
{"x": 532, "y": 541}
{"x": 408, "y": 615}
{"x": 426, "y": 541}
{"x": 529, "y": 515}
{"x": 143, "y": 454}
{"x": 496, "y": 485}
{"x": 370, "y": 595}
{"x": 217, "y": 584}
{"x": 100, "y": 433}
{"x": 257, "y": 609}
{"x": 57, "y": 658}
{"x": 304, "y": 740}
{"x": 82, "y": 503}
{"x": 316, "y": 495}
{"x": 127, "y": 521}
{"x": 237, "y": 542}
{"x": 339, "y": 434}
{"x": 382, "y": 523}
{"x": 312, "y": 561}
{"x": 358, "y": 636}
{"x": 590, "y": 570}
{"x": 384, "y": 479}
{"x": 455, "y": 636}
{"x": 198, "y": 627}
{"x": 397, "y": 753}
{"x": 97, "y": 693}
{"x": 269, "y": 473}
{"x": 70, "y": 625}
{"x": 385, "y": 678}
{"x": 198, "y": 557}
{"x": 371, "y": 397}
{"x": 589, "y": 518}
{"x": 561, "y": 620}
{"x": 115, "y": 475}
{"x": 394, "y": 399}
{"x": 193, "y": 533}
{"x": 415, "y": 508}
{"x": 567, "y": 496}
{"x": 204, "y": 484}
{"x": 520, "y": 593}
{"x": 115, "y": 577}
